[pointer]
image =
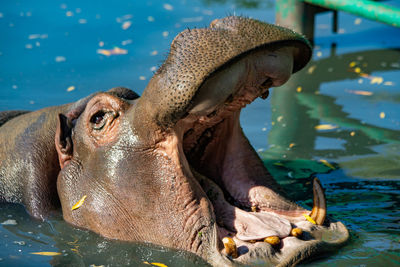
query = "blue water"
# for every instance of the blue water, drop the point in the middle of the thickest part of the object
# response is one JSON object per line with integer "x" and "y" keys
{"x": 49, "y": 55}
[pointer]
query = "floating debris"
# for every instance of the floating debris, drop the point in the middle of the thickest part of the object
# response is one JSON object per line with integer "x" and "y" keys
{"x": 37, "y": 36}
{"x": 28, "y": 46}
{"x": 388, "y": 83}
{"x": 21, "y": 243}
{"x": 46, "y": 253}
{"x": 326, "y": 163}
{"x": 155, "y": 264}
{"x": 291, "y": 145}
{"x": 154, "y": 68}
{"x": 71, "y": 88}
{"x": 142, "y": 78}
{"x": 299, "y": 89}
{"x": 114, "y": 51}
{"x": 168, "y": 7}
{"x": 319, "y": 54}
{"x": 154, "y": 53}
{"x": 360, "y": 92}
{"x": 124, "y": 17}
{"x": 150, "y": 18}
{"x": 165, "y": 34}
{"x": 325, "y": 127}
{"x": 101, "y": 43}
{"x": 126, "y": 42}
{"x": 79, "y": 203}
{"x": 357, "y": 21}
{"x": 377, "y": 80}
{"x": 82, "y": 21}
{"x": 353, "y": 133}
{"x": 126, "y": 25}
{"x": 60, "y": 59}
{"x": 311, "y": 69}
{"x": 69, "y": 14}
{"x": 382, "y": 115}
{"x": 9, "y": 222}
{"x": 352, "y": 64}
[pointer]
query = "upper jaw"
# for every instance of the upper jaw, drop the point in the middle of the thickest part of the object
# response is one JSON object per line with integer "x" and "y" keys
{"x": 317, "y": 238}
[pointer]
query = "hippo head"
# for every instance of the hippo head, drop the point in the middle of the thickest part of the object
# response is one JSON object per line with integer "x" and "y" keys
{"x": 173, "y": 166}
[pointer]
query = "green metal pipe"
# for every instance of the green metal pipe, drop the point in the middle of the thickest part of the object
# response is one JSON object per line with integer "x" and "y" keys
{"x": 364, "y": 8}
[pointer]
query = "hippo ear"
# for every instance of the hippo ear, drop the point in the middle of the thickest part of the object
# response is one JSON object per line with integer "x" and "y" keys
{"x": 63, "y": 139}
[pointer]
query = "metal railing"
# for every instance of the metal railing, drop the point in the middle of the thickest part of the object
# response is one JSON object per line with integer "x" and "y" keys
{"x": 299, "y": 14}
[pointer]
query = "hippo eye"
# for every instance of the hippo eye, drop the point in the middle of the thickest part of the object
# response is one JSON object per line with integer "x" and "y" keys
{"x": 98, "y": 120}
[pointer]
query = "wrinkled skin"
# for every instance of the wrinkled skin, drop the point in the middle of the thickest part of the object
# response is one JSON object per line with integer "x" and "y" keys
{"x": 173, "y": 167}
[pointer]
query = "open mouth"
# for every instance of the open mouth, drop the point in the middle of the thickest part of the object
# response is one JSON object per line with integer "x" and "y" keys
{"x": 254, "y": 218}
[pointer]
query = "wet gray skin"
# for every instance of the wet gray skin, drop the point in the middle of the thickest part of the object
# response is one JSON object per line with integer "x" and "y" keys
{"x": 173, "y": 166}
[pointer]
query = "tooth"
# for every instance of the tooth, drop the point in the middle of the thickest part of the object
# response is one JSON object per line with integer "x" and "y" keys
{"x": 296, "y": 232}
{"x": 272, "y": 240}
{"x": 230, "y": 247}
{"x": 318, "y": 212}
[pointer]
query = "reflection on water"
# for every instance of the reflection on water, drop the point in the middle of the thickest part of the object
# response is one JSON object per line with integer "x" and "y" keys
{"x": 337, "y": 119}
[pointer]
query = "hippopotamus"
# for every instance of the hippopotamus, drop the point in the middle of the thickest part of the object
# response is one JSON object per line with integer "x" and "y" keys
{"x": 173, "y": 167}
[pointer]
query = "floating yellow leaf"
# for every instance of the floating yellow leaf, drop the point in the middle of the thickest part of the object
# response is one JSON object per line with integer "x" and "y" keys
{"x": 326, "y": 163}
{"x": 377, "y": 80}
{"x": 71, "y": 88}
{"x": 325, "y": 127}
{"x": 114, "y": 51}
{"x": 382, "y": 115}
{"x": 360, "y": 92}
{"x": 352, "y": 133}
{"x": 352, "y": 64}
{"x": 388, "y": 83}
{"x": 309, "y": 219}
{"x": 357, "y": 70}
{"x": 279, "y": 164}
{"x": 126, "y": 25}
{"x": 79, "y": 203}
{"x": 311, "y": 69}
{"x": 46, "y": 253}
{"x": 155, "y": 264}
{"x": 299, "y": 89}
{"x": 292, "y": 145}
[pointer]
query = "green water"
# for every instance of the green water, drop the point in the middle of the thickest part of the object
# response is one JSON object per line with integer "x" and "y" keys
{"x": 351, "y": 88}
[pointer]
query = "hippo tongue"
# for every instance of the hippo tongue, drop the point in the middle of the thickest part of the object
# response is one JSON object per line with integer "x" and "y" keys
{"x": 259, "y": 225}
{"x": 247, "y": 225}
